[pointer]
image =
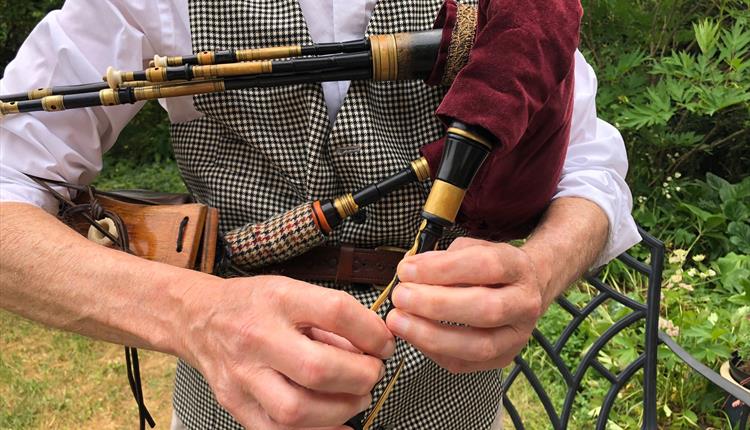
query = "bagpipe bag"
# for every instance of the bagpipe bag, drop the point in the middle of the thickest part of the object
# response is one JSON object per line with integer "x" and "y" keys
{"x": 517, "y": 86}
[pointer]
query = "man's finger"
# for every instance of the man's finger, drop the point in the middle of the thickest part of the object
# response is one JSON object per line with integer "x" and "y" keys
{"x": 321, "y": 367}
{"x": 476, "y": 265}
{"x": 252, "y": 415}
{"x": 340, "y": 313}
{"x": 474, "y": 306}
{"x": 465, "y": 343}
{"x": 330, "y": 339}
{"x": 288, "y": 404}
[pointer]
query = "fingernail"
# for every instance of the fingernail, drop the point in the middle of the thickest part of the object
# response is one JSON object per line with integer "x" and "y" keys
{"x": 399, "y": 323}
{"x": 402, "y": 296}
{"x": 389, "y": 349}
{"x": 382, "y": 373}
{"x": 407, "y": 271}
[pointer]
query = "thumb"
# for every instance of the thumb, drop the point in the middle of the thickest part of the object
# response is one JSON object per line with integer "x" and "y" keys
{"x": 467, "y": 242}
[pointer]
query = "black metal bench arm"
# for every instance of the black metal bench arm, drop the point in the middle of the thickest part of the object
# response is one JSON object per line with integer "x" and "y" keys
{"x": 644, "y": 313}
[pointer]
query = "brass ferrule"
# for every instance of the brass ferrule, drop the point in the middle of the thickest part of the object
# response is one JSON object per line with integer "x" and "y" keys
{"x": 384, "y": 57}
{"x": 39, "y": 93}
{"x": 174, "y": 61}
{"x": 269, "y": 53}
{"x": 421, "y": 169}
{"x": 109, "y": 97}
{"x": 8, "y": 108}
{"x": 471, "y": 136}
{"x": 206, "y": 57}
{"x": 185, "y": 89}
{"x": 135, "y": 84}
{"x": 444, "y": 200}
{"x": 154, "y": 74}
{"x": 53, "y": 103}
{"x": 346, "y": 206}
{"x": 233, "y": 69}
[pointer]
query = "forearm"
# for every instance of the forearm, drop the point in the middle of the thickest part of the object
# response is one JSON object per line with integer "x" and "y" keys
{"x": 566, "y": 243}
{"x": 50, "y": 274}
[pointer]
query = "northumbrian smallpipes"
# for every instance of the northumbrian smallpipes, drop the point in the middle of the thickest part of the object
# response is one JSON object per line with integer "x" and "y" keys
{"x": 508, "y": 65}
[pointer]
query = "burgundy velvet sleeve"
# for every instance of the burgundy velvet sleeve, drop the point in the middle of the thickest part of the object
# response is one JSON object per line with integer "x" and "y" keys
{"x": 517, "y": 85}
{"x": 522, "y": 52}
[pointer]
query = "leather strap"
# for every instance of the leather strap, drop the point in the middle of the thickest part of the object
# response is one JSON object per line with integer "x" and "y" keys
{"x": 344, "y": 264}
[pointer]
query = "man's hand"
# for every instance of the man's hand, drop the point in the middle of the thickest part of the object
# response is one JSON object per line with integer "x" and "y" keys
{"x": 280, "y": 353}
{"x": 491, "y": 288}
{"x": 496, "y": 291}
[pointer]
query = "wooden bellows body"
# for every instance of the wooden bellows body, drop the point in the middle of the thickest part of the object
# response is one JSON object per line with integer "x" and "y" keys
{"x": 182, "y": 235}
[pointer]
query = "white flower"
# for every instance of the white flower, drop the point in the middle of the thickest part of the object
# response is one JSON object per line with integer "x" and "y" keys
{"x": 686, "y": 286}
{"x": 669, "y": 196}
{"x": 692, "y": 271}
{"x": 678, "y": 189}
{"x": 699, "y": 257}
{"x": 711, "y": 272}
{"x": 669, "y": 327}
{"x": 703, "y": 275}
{"x": 676, "y": 278}
{"x": 677, "y": 175}
{"x": 664, "y": 184}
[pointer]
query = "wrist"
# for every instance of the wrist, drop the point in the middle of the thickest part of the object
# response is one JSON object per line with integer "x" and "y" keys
{"x": 541, "y": 260}
{"x": 188, "y": 295}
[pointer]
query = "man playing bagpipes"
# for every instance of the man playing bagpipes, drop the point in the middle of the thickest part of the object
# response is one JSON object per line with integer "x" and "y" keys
{"x": 270, "y": 352}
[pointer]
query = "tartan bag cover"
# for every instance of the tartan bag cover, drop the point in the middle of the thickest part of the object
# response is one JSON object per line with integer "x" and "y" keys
{"x": 259, "y": 152}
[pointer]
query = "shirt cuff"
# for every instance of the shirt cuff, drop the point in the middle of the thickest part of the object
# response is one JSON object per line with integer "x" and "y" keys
{"x": 613, "y": 196}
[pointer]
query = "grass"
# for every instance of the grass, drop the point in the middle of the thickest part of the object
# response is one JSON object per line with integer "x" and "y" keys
{"x": 51, "y": 379}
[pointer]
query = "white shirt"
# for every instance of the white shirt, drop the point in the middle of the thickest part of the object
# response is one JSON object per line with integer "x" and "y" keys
{"x": 78, "y": 43}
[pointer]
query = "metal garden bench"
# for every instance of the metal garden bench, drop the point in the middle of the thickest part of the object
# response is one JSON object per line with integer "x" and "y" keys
{"x": 561, "y": 402}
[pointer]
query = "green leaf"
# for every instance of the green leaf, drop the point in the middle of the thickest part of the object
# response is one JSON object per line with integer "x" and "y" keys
{"x": 683, "y": 237}
{"x": 743, "y": 188}
{"x": 725, "y": 189}
{"x": 739, "y": 235}
{"x": 706, "y": 33}
{"x": 735, "y": 210}
{"x": 710, "y": 220}
{"x": 734, "y": 272}
{"x": 735, "y": 41}
{"x": 698, "y": 332}
{"x": 690, "y": 417}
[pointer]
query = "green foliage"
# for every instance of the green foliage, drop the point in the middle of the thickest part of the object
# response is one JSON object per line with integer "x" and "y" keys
{"x": 127, "y": 174}
{"x": 17, "y": 19}
{"x": 710, "y": 217}
{"x": 674, "y": 79}
{"x": 145, "y": 139}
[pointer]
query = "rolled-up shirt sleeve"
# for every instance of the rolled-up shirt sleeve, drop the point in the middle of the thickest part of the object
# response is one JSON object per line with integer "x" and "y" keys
{"x": 73, "y": 45}
{"x": 596, "y": 164}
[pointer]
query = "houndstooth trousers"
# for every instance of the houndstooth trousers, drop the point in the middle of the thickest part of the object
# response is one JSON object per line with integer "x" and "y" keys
{"x": 259, "y": 152}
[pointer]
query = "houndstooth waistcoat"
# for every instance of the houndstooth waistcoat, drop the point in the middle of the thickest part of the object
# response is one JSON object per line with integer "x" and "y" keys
{"x": 259, "y": 152}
